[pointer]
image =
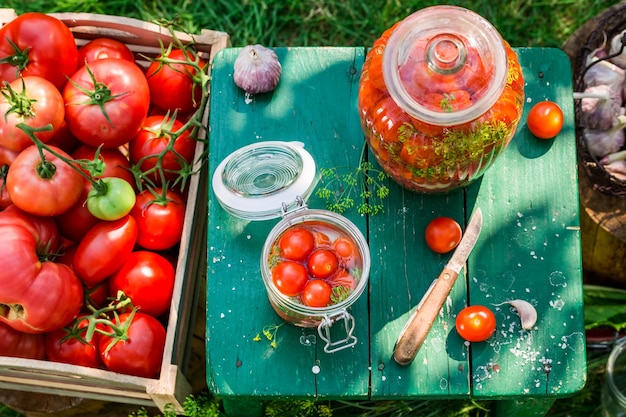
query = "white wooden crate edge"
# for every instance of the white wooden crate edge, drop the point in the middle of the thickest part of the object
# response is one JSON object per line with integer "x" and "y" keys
{"x": 171, "y": 387}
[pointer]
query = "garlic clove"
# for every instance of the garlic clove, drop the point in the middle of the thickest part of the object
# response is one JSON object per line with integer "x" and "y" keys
{"x": 526, "y": 312}
{"x": 257, "y": 69}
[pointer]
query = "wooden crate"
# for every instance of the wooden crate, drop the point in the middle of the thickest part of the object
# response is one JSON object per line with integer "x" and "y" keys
{"x": 172, "y": 386}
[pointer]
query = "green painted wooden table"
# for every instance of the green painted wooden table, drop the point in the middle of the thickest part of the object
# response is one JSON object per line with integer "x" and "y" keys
{"x": 529, "y": 249}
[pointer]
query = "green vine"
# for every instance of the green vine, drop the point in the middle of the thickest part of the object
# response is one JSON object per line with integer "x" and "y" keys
{"x": 364, "y": 186}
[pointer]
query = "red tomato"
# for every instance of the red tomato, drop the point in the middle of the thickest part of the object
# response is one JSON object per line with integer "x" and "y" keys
{"x": 545, "y": 119}
{"x": 44, "y": 229}
{"x": 104, "y": 249}
{"x": 141, "y": 353}
{"x": 101, "y": 48}
{"x": 322, "y": 263}
{"x": 173, "y": 85}
{"x": 63, "y": 139}
{"x": 75, "y": 222}
{"x": 56, "y": 190}
{"x": 21, "y": 345}
{"x": 160, "y": 221}
{"x": 316, "y": 293}
{"x": 116, "y": 164}
{"x": 153, "y": 142}
{"x": 443, "y": 234}
{"x": 290, "y": 277}
{"x": 344, "y": 247}
{"x": 68, "y": 345}
{"x": 19, "y": 263}
{"x": 37, "y": 44}
{"x": 34, "y": 101}
{"x": 343, "y": 279}
{"x": 147, "y": 279}
{"x": 113, "y": 111}
{"x": 53, "y": 299}
{"x": 296, "y": 243}
{"x": 475, "y": 323}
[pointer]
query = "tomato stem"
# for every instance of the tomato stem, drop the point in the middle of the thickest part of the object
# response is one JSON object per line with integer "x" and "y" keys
{"x": 19, "y": 59}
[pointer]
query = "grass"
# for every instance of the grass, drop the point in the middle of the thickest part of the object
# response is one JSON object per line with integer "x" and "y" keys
{"x": 336, "y": 22}
{"x": 538, "y": 23}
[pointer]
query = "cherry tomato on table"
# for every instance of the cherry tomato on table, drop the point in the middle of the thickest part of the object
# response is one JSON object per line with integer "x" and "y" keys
{"x": 545, "y": 119}
{"x": 443, "y": 234}
{"x": 475, "y": 323}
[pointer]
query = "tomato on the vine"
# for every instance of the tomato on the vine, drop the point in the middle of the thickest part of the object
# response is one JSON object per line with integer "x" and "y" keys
{"x": 175, "y": 85}
{"x": 139, "y": 350}
{"x": 37, "y": 44}
{"x": 69, "y": 344}
{"x": 160, "y": 218}
{"x": 147, "y": 278}
{"x": 161, "y": 143}
{"x": 475, "y": 323}
{"x": 116, "y": 164}
{"x": 290, "y": 277}
{"x": 545, "y": 119}
{"x": 296, "y": 243}
{"x": 322, "y": 263}
{"x": 43, "y": 188}
{"x": 106, "y": 102}
{"x": 443, "y": 234}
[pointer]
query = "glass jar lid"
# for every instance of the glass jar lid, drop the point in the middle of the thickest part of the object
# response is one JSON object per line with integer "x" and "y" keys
{"x": 445, "y": 65}
{"x": 262, "y": 180}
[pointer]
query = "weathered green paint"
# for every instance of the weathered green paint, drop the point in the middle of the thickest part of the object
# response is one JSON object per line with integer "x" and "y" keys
{"x": 529, "y": 249}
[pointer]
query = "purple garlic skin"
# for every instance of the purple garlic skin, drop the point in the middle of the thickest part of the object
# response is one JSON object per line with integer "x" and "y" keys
{"x": 257, "y": 69}
{"x": 601, "y": 113}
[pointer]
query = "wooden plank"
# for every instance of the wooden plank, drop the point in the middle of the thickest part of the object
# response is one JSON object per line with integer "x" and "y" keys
{"x": 314, "y": 103}
{"x": 531, "y": 250}
{"x": 403, "y": 268}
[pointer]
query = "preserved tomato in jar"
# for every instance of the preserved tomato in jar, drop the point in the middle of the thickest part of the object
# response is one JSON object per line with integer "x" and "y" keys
{"x": 440, "y": 97}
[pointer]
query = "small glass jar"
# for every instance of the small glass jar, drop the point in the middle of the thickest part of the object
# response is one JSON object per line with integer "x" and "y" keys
{"x": 273, "y": 179}
{"x": 440, "y": 97}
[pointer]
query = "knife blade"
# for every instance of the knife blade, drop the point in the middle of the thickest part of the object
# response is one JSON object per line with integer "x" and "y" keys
{"x": 421, "y": 320}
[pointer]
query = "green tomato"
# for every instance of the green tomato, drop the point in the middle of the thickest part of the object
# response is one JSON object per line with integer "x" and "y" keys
{"x": 111, "y": 199}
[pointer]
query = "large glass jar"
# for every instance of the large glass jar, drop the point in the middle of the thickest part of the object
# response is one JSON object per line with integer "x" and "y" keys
{"x": 440, "y": 97}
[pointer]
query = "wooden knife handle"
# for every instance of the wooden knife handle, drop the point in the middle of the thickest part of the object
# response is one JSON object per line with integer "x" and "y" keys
{"x": 415, "y": 331}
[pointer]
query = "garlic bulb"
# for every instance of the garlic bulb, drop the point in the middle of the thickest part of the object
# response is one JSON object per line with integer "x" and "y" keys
{"x": 604, "y": 142}
{"x": 617, "y": 169}
{"x": 603, "y": 72}
{"x": 600, "y": 106}
{"x": 257, "y": 69}
{"x": 615, "y": 46}
{"x": 525, "y": 311}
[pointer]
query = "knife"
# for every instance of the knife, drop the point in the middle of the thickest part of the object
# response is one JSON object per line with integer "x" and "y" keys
{"x": 417, "y": 327}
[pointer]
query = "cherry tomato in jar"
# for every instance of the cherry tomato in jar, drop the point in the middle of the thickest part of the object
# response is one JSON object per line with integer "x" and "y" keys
{"x": 545, "y": 119}
{"x": 443, "y": 234}
{"x": 290, "y": 277}
{"x": 296, "y": 244}
{"x": 316, "y": 293}
{"x": 475, "y": 323}
{"x": 322, "y": 263}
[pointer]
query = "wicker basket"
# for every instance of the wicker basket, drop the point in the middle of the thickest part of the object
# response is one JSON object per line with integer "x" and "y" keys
{"x": 584, "y": 41}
